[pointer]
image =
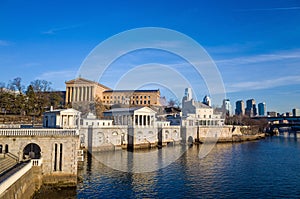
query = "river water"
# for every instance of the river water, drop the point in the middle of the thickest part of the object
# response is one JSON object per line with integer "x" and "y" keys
{"x": 268, "y": 168}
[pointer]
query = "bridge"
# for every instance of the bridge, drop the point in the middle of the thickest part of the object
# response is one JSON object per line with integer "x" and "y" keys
{"x": 282, "y": 122}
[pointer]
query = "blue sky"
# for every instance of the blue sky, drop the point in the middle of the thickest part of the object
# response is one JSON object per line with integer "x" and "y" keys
{"x": 255, "y": 44}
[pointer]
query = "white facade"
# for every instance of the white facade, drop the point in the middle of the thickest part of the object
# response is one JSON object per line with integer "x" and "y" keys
{"x": 61, "y": 118}
{"x": 199, "y": 114}
{"x": 91, "y": 120}
{"x": 133, "y": 117}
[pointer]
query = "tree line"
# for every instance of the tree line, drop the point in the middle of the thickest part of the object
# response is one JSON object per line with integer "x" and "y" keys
{"x": 33, "y": 100}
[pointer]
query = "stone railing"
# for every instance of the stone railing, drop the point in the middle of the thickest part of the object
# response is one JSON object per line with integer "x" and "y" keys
{"x": 39, "y": 132}
{"x": 37, "y": 162}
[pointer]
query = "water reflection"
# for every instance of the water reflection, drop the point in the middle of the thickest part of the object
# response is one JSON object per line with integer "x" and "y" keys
{"x": 140, "y": 161}
{"x": 261, "y": 169}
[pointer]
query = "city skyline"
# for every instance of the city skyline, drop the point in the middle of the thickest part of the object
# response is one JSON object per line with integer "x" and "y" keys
{"x": 255, "y": 46}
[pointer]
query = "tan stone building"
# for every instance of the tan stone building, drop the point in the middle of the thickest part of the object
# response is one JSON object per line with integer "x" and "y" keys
{"x": 83, "y": 90}
{"x": 132, "y": 97}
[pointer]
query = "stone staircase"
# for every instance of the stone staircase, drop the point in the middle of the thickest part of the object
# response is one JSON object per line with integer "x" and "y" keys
{"x": 7, "y": 162}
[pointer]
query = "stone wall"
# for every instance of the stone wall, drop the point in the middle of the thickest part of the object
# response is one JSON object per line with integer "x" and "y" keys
{"x": 115, "y": 137}
{"x": 190, "y": 134}
{"x": 25, "y": 186}
{"x": 66, "y": 158}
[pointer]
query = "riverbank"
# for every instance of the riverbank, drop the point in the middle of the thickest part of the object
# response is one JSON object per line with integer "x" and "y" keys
{"x": 49, "y": 192}
{"x": 238, "y": 138}
{"x": 229, "y": 171}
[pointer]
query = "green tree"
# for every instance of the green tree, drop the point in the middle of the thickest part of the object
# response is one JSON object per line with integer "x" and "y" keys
{"x": 31, "y": 101}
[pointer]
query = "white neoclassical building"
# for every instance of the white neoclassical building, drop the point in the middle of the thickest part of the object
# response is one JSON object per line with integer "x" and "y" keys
{"x": 197, "y": 113}
{"x": 142, "y": 128}
{"x": 133, "y": 116}
{"x": 61, "y": 118}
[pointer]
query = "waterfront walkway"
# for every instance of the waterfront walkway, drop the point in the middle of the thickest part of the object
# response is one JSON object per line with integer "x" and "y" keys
{"x": 4, "y": 176}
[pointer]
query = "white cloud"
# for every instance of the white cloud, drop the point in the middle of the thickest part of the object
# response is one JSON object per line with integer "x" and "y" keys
{"x": 277, "y": 56}
{"x": 263, "y": 84}
{"x": 55, "y": 30}
{"x": 57, "y": 74}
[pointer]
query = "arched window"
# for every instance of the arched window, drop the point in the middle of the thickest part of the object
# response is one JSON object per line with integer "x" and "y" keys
{"x": 1, "y": 148}
{"x": 115, "y": 133}
{"x": 167, "y": 134}
{"x": 139, "y": 135}
{"x": 175, "y": 133}
{"x": 101, "y": 138}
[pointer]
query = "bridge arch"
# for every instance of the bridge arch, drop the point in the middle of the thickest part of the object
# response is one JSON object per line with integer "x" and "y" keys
{"x": 32, "y": 151}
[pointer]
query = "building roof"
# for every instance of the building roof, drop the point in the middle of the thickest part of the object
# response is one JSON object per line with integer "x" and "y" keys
{"x": 81, "y": 80}
{"x": 128, "y": 110}
{"x": 62, "y": 110}
{"x": 200, "y": 105}
{"x": 131, "y": 91}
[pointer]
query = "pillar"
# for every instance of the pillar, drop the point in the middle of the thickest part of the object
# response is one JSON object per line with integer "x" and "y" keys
{"x": 91, "y": 93}
{"x": 67, "y": 94}
{"x": 146, "y": 122}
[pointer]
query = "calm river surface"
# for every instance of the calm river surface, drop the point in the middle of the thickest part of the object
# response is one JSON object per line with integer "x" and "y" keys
{"x": 268, "y": 168}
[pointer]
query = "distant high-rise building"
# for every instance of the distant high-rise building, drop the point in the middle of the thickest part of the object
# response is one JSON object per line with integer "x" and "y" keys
{"x": 239, "y": 107}
{"x": 251, "y": 108}
{"x": 262, "y": 109}
{"x": 296, "y": 112}
{"x": 188, "y": 94}
{"x": 226, "y": 107}
{"x": 206, "y": 100}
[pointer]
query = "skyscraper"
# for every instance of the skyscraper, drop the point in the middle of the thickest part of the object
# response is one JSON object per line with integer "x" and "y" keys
{"x": 226, "y": 107}
{"x": 239, "y": 107}
{"x": 296, "y": 112}
{"x": 188, "y": 94}
{"x": 251, "y": 108}
{"x": 262, "y": 109}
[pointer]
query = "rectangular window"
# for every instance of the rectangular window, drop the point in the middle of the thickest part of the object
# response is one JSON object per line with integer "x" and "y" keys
{"x": 55, "y": 157}
{"x": 60, "y": 157}
{"x": 148, "y": 101}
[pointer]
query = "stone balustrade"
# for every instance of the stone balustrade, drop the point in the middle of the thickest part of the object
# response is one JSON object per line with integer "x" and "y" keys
{"x": 39, "y": 132}
{"x": 37, "y": 162}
